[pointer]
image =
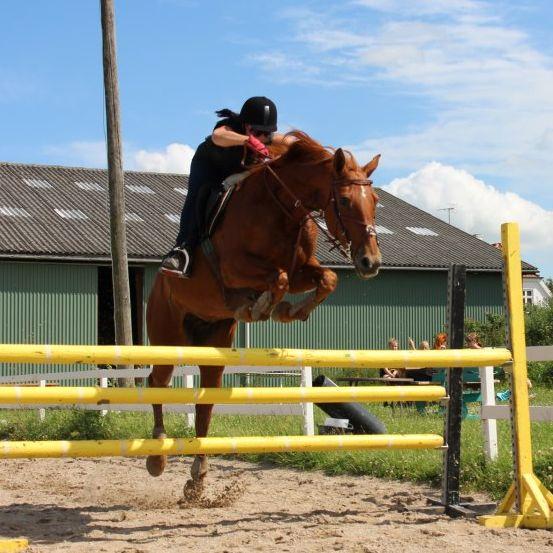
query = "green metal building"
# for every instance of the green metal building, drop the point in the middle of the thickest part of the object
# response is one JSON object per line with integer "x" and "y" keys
{"x": 55, "y": 279}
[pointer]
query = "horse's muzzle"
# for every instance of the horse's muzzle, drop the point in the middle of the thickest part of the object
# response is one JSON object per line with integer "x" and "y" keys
{"x": 367, "y": 264}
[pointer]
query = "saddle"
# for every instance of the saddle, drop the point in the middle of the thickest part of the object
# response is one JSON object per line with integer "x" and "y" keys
{"x": 217, "y": 201}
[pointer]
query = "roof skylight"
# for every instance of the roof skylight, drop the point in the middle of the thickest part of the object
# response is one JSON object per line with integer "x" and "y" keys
{"x": 70, "y": 213}
{"x": 14, "y": 211}
{"x": 173, "y": 217}
{"x": 182, "y": 191}
{"x": 133, "y": 218}
{"x": 37, "y": 183}
{"x": 422, "y": 231}
{"x": 383, "y": 230}
{"x": 140, "y": 189}
{"x": 90, "y": 186}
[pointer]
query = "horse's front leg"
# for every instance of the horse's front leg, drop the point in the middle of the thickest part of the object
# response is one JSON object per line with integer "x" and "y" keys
{"x": 159, "y": 378}
{"x": 308, "y": 277}
{"x": 261, "y": 309}
{"x": 211, "y": 377}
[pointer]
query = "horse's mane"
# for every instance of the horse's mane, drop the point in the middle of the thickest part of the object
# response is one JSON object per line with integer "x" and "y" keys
{"x": 304, "y": 149}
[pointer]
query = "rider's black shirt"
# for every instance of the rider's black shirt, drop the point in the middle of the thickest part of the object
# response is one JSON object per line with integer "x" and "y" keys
{"x": 218, "y": 163}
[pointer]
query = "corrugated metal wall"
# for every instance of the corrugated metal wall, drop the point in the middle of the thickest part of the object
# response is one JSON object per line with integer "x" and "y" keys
{"x": 47, "y": 303}
{"x": 57, "y": 303}
{"x": 484, "y": 295}
{"x": 365, "y": 314}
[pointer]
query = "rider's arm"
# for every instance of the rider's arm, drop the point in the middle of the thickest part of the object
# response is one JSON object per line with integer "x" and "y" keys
{"x": 225, "y": 137}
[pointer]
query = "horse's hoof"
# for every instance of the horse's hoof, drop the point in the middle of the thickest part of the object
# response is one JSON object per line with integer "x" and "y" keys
{"x": 155, "y": 464}
{"x": 198, "y": 470}
{"x": 281, "y": 313}
{"x": 300, "y": 313}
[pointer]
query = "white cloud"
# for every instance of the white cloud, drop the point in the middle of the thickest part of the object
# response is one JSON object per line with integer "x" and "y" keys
{"x": 284, "y": 68}
{"x": 479, "y": 208}
{"x": 487, "y": 90}
{"x": 176, "y": 158}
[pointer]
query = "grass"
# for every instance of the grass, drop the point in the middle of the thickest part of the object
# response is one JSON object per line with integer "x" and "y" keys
{"x": 477, "y": 474}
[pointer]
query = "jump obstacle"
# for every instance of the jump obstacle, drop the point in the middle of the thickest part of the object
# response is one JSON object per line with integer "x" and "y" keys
{"x": 527, "y": 504}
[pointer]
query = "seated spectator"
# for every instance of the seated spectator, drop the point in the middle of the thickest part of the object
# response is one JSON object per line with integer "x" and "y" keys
{"x": 440, "y": 341}
{"x": 392, "y": 373}
{"x": 424, "y": 374}
{"x": 473, "y": 341}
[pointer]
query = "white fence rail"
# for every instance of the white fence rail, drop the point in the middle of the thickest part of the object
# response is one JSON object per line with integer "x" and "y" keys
{"x": 305, "y": 410}
{"x": 490, "y": 412}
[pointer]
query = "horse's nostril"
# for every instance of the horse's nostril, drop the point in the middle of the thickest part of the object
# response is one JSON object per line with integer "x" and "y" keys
{"x": 365, "y": 262}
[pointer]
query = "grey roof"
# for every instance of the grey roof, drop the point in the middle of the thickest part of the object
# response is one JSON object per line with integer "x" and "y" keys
{"x": 63, "y": 212}
{"x": 451, "y": 245}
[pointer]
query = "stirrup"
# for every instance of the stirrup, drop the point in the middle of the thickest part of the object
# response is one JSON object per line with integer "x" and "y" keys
{"x": 177, "y": 263}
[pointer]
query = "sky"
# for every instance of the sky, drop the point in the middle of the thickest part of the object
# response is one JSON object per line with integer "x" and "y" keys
{"x": 457, "y": 95}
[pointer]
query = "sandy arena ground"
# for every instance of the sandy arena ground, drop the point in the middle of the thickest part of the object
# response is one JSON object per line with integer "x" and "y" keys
{"x": 112, "y": 505}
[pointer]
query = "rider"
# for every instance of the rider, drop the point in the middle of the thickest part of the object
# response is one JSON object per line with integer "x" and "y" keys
{"x": 217, "y": 157}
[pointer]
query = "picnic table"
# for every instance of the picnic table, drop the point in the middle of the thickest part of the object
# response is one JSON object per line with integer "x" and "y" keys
{"x": 355, "y": 380}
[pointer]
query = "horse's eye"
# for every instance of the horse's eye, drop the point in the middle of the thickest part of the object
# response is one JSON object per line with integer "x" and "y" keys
{"x": 345, "y": 202}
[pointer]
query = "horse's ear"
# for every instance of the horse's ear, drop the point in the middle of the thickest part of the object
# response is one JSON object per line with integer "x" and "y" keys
{"x": 339, "y": 161}
{"x": 371, "y": 166}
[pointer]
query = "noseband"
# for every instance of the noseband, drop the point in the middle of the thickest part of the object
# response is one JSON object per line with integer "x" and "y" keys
{"x": 307, "y": 213}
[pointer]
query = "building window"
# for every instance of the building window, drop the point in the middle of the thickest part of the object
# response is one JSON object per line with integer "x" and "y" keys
{"x": 528, "y": 297}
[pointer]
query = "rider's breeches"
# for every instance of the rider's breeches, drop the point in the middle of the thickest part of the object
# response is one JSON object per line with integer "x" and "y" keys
{"x": 194, "y": 205}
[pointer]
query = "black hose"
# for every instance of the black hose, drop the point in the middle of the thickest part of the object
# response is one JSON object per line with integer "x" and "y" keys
{"x": 362, "y": 421}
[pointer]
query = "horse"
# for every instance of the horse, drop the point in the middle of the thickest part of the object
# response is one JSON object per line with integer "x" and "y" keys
{"x": 265, "y": 248}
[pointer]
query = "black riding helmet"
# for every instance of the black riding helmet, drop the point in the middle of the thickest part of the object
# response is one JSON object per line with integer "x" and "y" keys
{"x": 260, "y": 113}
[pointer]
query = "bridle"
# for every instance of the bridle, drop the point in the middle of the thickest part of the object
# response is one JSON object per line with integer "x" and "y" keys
{"x": 307, "y": 213}
{"x": 335, "y": 186}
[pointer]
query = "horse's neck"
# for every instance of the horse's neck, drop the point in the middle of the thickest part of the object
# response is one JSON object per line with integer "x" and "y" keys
{"x": 306, "y": 184}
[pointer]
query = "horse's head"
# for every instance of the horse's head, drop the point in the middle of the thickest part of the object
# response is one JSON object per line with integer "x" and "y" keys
{"x": 350, "y": 214}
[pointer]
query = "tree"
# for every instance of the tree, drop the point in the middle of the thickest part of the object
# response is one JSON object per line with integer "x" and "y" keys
{"x": 491, "y": 331}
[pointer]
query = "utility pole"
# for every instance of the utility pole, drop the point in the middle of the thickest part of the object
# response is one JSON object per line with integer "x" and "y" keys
{"x": 119, "y": 265}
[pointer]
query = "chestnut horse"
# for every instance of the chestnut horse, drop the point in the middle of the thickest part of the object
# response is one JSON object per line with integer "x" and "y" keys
{"x": 265, "y": 245}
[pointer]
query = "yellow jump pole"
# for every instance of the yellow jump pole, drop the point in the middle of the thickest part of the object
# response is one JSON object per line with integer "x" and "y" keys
{"x": 13, "y": 546}
{"x": 528, "y": 503}
{"x": 207, "y": 396}
{"x": 214, "y": 446}
{"x": 171, "y": 355}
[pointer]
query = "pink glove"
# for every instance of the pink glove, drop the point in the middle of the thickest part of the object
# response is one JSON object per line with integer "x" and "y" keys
{"x": 257, "y": 146}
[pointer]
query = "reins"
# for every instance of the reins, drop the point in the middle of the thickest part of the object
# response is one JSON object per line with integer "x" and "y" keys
{"x": 307, "y": 214}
